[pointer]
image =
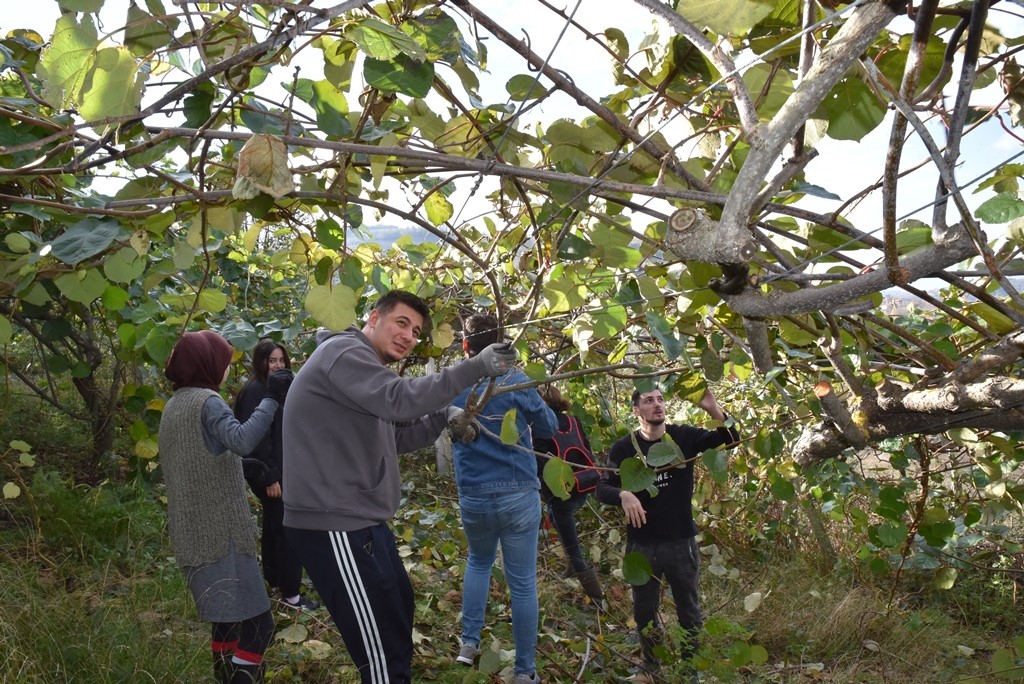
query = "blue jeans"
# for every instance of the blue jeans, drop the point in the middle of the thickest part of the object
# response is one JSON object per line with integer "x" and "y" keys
{"x": 512, "y": 518}
{"x": 563, "y": 517}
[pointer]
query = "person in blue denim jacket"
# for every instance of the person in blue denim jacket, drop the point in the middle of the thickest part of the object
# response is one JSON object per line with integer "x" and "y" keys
{"x": 499, "y": 500}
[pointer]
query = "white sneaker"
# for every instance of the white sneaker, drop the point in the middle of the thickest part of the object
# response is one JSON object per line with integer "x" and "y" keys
{"x": 522, "y": 678}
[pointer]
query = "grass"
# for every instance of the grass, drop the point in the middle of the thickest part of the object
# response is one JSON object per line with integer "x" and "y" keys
{"x": 91, "y": 595}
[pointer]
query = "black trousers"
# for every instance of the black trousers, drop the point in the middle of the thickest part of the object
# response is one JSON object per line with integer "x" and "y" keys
{"x": 678, "y": 563}
{"x": 362, "y": 581}
{"x": 281, "y": 567}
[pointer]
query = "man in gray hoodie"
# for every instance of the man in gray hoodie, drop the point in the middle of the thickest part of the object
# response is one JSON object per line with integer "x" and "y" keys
{"x": 348, "y": 418}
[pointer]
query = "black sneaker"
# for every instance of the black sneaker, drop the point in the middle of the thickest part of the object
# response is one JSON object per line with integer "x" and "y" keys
{"x": 304, "y": 603}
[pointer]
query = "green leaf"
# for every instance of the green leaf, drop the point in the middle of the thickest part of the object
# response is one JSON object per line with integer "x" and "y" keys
{"x": 124, "y": 266}
{"x": 159, "y": 343}
{"x": 783, "y": 489}
{"x": 92, "y": 6}
{"x": 240, "y": 334}
{"x": 945, "y": 578}
{"x": 997, "y": 321}
{"x": 113, "y": 86}
{"x": 558, "y": 476}
{"x": 717, "y": 463}
{"x": 334, "y": 307}
{"x": 852, "y": 110}
{"x": 636, "y": 569}
{"x": 1002, "y": 208}
{"x": 143, "y": 34}
{"x": 573, "y": 247}
{"x": 402, "y": 75}
{"x": 635, "y": 476}
{"x": 726, "y": 17}
{"x": 63, "y": 66}
{"x": 525, "y": 87}
{"x": 384, "y": 42}
{"x": 612, "y": 247}
{"x": 913, "y": 235}
{"x": 666, "y": 334}
{"x": 758, "y": 654}
{"x": 509, "y": 429}
{"x": 197, "y": 107}
{"x": 6, "y": 331}
{"x": 82, "y": 286}
{"x": 690, "y": 386}
{"x": 663, "y": 453}
{"x": 86, "y": 238}
{"x": 114, "y": 298}
{"x": 937, "y": 534}
{"x": 563, "y": 293}
{"x": 439, "y": 35}
{"x": 213, "y": 301}
{"x": 439, "y": 209}
{"x": 888, "y": 534}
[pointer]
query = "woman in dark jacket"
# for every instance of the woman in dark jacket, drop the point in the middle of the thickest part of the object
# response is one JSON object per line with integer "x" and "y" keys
{"x": 281, "y": 567}
{"x": 563, "y": 512}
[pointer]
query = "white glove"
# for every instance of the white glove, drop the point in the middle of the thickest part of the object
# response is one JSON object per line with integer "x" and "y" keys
{"x": 496, "y": 359}
{"x": 461, "y": 426}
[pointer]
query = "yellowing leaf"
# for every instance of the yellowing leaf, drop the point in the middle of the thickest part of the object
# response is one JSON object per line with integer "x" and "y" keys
{"x": 379, "y": 163}
{"x": 726, "y": 17}
{"x": 294, "y": 633}
{"x": 140, "y": 242}
{"x": 213, "y": 301}
{"x": 443, "y": 336}
{"x": 226, "y": 219}
{"x": 439, "y": 209}
{"x": 64, "y": 65}
{"x": 146, "y": 449}
{"x": 317, "y": 650}
{"x": 114, "y": 85}
{"x": 509, "y": 429}
{"x": 334, "y": 307}
{"x": 11, "y": 491}
{"x": 302, "y": 251}
{"x": 263, "y": 167}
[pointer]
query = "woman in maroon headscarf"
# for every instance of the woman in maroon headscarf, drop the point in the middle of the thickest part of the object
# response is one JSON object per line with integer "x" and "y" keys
{"x": 212, "y": 531}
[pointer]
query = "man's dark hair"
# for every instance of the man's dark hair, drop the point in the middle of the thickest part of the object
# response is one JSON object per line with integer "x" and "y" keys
{"x": 390, "y": 300}
{"x": 261, "y": 358}
{"x": 480, "y": 331}
{"x": 637, "y": 393}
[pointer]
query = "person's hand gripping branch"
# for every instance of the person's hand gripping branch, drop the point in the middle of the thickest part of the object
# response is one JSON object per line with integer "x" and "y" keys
{"x": 496, "y": 359}
{"x": 462, "y": 426}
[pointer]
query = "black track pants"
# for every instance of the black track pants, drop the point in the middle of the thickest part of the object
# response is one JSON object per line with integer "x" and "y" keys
{"x": 362, "y": 581}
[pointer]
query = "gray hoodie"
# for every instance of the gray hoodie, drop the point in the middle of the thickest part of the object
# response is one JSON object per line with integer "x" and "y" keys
{"x": 346, "y": 419}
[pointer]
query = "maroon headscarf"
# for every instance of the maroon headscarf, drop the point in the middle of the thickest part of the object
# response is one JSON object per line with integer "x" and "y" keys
{"x": 199, "y": 359}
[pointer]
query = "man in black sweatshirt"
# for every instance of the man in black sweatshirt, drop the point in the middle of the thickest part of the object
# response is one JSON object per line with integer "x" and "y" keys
{"x": 348, "y": 418}
{"x": 661, "y": 527}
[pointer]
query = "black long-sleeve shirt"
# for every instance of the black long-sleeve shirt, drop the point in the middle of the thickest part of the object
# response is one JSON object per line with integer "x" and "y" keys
{"x": 268, "y": 451}
{"x": 670, "y": 513}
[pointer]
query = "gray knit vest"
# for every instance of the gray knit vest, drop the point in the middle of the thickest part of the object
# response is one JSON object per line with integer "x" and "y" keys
{"x": 206, "y": 498}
